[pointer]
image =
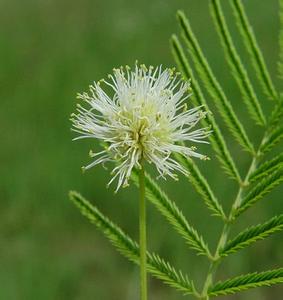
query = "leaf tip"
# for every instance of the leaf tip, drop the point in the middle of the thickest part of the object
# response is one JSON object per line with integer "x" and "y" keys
{"x": 73, "y": 196}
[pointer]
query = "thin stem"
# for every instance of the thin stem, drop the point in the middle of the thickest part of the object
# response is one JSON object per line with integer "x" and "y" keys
{"x": 226, "y": 228}
{"x": 213, "y": 265}
{"x": 142, "y": 225}
{"x": 238, "y": 200}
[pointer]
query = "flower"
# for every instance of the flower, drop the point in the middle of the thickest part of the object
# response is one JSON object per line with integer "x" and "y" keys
{"x": 145, "y": 118}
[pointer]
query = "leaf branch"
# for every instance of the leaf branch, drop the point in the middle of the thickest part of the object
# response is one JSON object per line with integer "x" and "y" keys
{"x": 238, "y": 70}
{"x": 253, "y": 49}
{"x": 253, "y": 234}
{"x": 212, "y": 85}
{"x": 173, "y": 214}
{"x": 216, "y": 138}
{"x": 130, "y": 249}
{"x": 248, "y": 281}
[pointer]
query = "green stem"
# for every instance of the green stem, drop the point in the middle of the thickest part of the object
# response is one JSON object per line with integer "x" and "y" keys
{"x": 213, "y": 265}
{"x": 142, "y": 225}
{"x": 224, "y": 235}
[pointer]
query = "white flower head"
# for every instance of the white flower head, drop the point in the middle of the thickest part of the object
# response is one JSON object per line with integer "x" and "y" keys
{"x": 145, "y": 118}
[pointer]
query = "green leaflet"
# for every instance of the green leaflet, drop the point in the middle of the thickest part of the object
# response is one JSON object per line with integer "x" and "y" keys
{"x": 253, "y": 49}
{"x": 130, "y": 249}
{"x": 260, "y": 190}
{"x": 173, "y": 214}
{"x": 247, "y": 281}
{"x": 253, "y": 234}
{"x": 216, "y": 138}
{"x": 238, "y": 70}
{"x": 212, "y": 85}
{"x": 267, "y": 167}
{"x": 202, "y": 187}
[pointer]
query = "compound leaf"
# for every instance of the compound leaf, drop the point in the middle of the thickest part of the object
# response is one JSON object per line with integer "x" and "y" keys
{"x": 130, "y": 249}
{"x": 248, "y": 281}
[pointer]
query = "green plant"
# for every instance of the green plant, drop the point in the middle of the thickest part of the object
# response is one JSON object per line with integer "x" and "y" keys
{"x": 263, "y": 175}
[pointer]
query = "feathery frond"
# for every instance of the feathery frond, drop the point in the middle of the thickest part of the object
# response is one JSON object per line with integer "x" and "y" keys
{"x": 248, "y": 281}
{"x": 202, "y": 187}
{"x": 212, "y": 85}
{"x": 216, "y": 138}
{"x": 130, "y": 249}
{"x": 238, "y": 70}
{"x": 162, "y": 270}
{"x": 267, "y": 168}
{"x": 173, "y": 214}
{"x": 253, "y": 49}
{"x": 266, "y": 185}
{"x": 253, "y": 234}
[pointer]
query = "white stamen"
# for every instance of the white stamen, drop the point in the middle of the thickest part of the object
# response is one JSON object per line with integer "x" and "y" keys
{"x": 144, "y": 118}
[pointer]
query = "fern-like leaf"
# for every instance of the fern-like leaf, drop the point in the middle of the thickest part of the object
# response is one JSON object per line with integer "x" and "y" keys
{"x": 253, "y": 234}
{"x": 173, "y": 214}
{"x": 130, "y": 249}
{"x": 248, "y": 281}
{"x": 267, "y": 168}
{"x": 238, "y": 70}
{"x": 162, "y": 270}
{"x": 266, "y": 185}
{"x": 216, "y": 138}
{"x": 212, "y": 85}
{"x": 253, "y": 49}
{"x": 202, "y": 187}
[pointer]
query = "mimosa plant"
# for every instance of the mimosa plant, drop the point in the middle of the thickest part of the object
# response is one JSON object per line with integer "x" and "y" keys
{"x": 147, "y": 120}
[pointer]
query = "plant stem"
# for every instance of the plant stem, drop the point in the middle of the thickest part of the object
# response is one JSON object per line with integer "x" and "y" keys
{"x": 226, "y": 228}
{"x": 213, "y": 265}
{"x": 142, "y": 225}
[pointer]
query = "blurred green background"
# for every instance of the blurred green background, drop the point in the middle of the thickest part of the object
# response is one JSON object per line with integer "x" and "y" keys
{"x": 49, "y": 51}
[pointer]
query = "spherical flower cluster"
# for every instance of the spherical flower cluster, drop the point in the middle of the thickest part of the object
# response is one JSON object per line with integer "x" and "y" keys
{"x": 145, "y": 119}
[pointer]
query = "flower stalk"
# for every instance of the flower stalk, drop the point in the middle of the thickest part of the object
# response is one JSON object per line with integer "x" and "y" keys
{"x": 143, "y": 118}
{"x": 142, "y": 227}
